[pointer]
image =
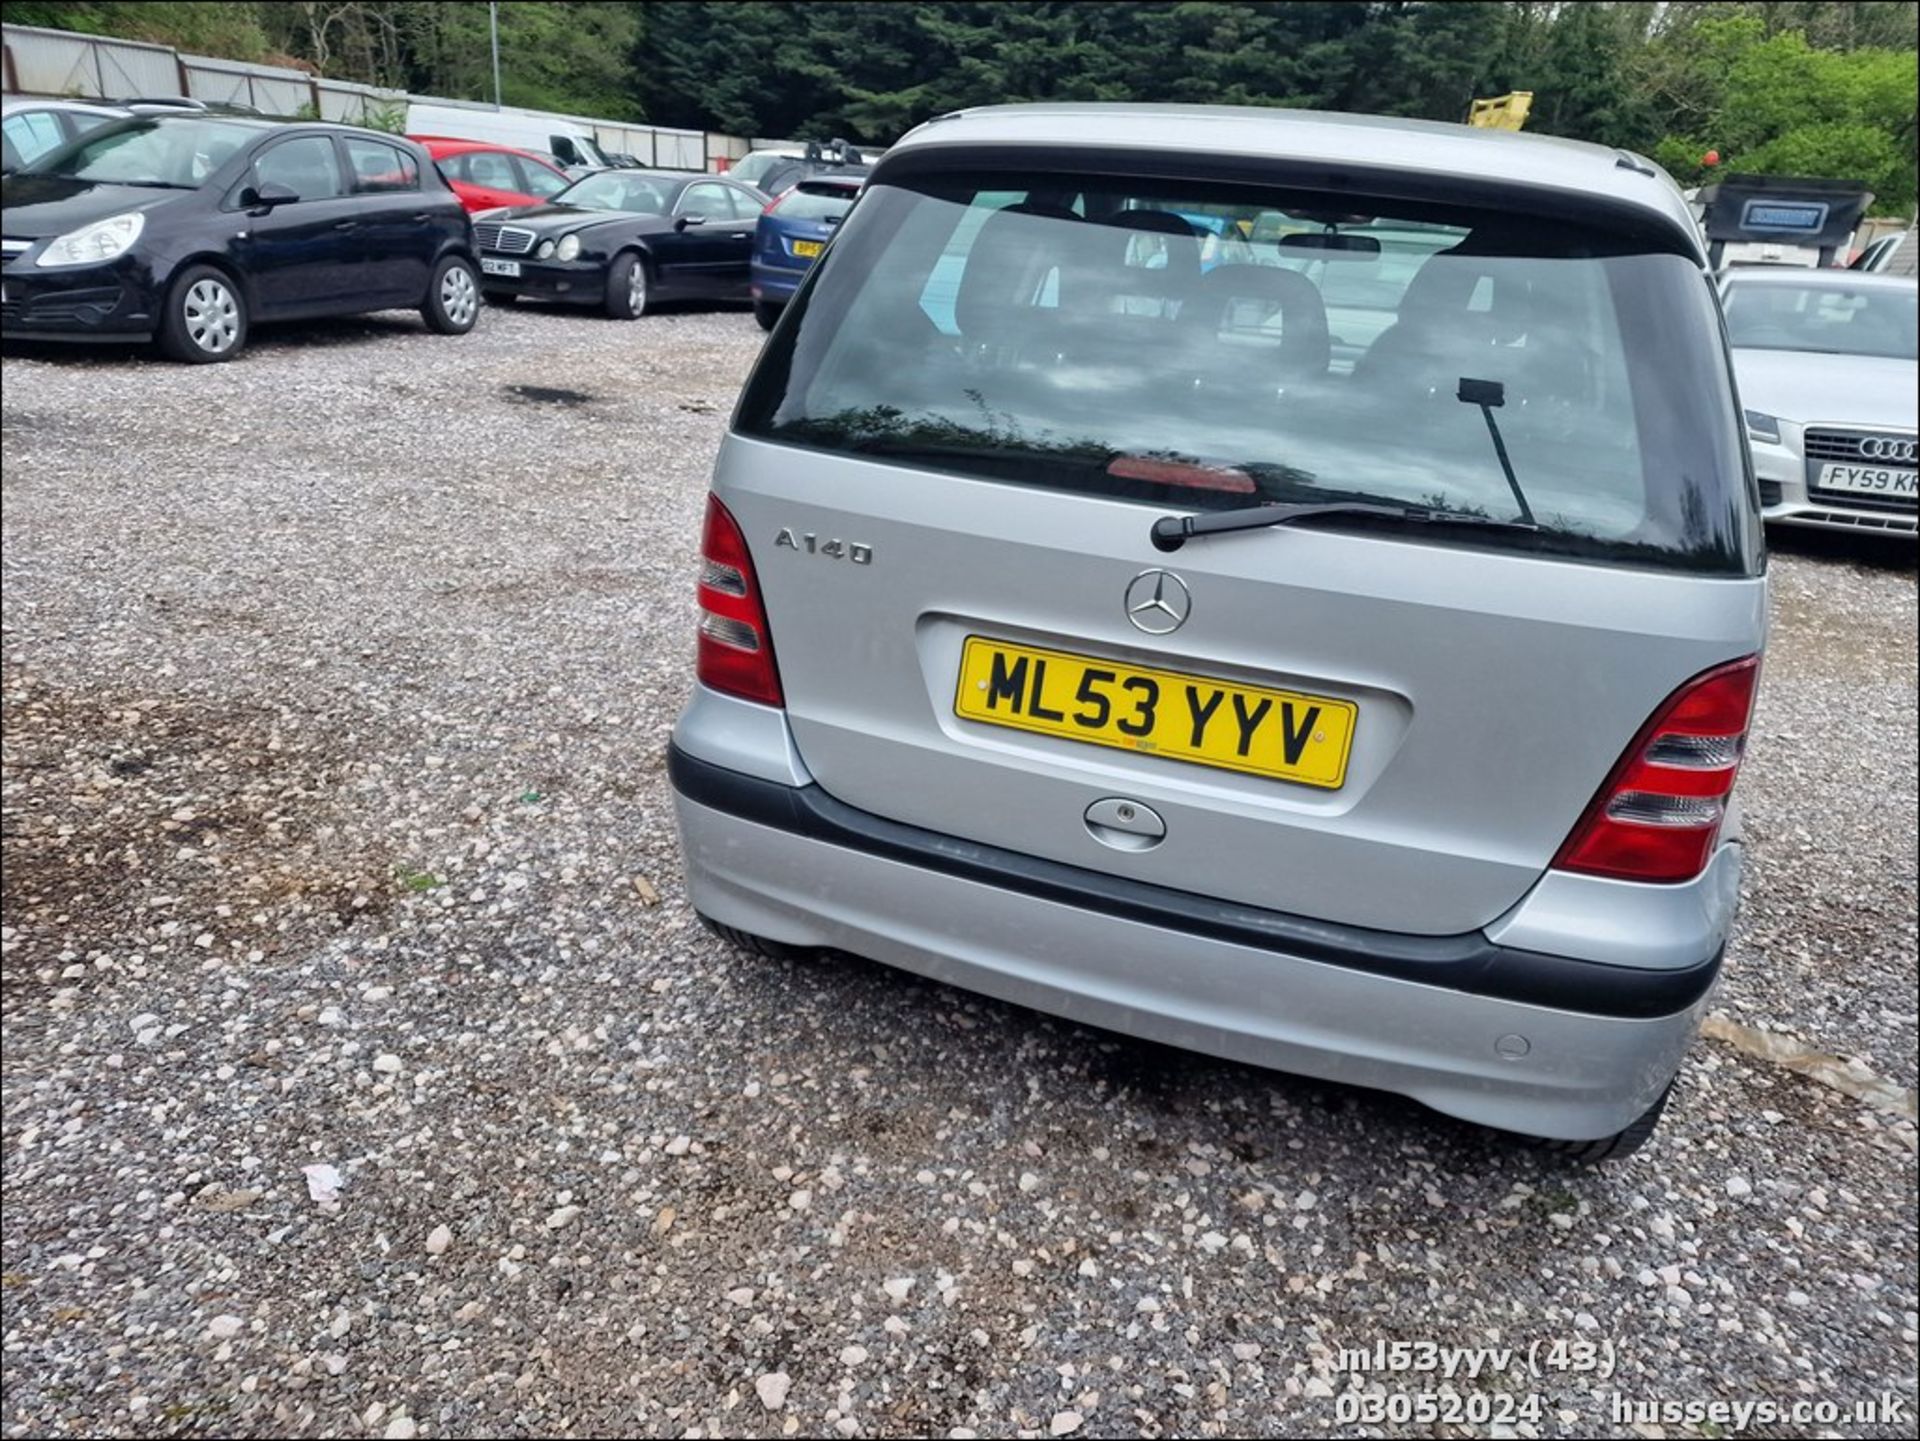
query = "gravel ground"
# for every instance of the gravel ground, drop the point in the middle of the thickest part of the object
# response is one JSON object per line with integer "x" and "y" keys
{"x": 336, "y": 835}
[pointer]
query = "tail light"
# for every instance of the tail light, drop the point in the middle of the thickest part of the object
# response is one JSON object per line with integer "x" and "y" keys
{"x": 736, "y": 648}
{"x": 774, "y": 204}
{"x": 1659, "y": 814}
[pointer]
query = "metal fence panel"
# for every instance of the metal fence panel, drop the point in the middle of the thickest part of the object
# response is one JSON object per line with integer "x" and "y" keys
{"x": 680, "y": 149}
{"x": 268, "y": 88}
{"x": 47, "y": 62}
{"x": 281, "y": 97}
{"x": 127, "y": 70}
{"x": 216, "y": 84}
{"x": 634, "y": 140}
{"x": 356, "y": 104}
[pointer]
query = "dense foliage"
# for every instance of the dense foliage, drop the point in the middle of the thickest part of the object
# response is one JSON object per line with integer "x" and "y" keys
{"x": 1821, "y": 88}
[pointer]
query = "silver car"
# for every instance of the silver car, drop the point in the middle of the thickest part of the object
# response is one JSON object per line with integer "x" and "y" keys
{"x": 1825, "y": 362}
{"x": 1337, "y": 656}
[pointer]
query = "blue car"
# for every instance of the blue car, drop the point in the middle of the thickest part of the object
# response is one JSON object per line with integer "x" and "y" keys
{"x": 792, "y": 233}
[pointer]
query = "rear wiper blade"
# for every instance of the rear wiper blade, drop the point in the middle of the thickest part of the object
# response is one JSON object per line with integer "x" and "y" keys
{"x": 1170, "y": 532}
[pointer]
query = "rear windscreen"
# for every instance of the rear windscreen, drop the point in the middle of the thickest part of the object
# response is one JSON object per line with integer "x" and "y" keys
{"x": 804, "y": 204}
{"x": 1204, "y": 347}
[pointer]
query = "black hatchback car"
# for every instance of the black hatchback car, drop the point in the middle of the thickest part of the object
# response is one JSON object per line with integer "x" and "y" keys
{"x": 191, "y": 228}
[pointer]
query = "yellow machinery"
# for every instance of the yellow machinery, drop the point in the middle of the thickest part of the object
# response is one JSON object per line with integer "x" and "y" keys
{"x": 1503, "y": 112}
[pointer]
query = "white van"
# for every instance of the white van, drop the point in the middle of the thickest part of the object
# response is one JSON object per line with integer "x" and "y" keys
{"x": 567, "y": 141}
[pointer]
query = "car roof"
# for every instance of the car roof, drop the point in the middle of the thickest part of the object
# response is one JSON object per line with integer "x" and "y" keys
{"x": 1428, "y": 147}
{"x": 256, "y": 122}
{"x": 438, "y": 145}
{"x": 77, "y": 107}
{"x": 1804, "y": 276}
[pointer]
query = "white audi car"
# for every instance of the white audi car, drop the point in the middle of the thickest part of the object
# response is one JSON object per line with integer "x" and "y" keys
{"x": 1825, "y": 361}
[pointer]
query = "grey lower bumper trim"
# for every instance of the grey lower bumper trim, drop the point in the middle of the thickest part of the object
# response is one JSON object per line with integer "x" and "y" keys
{"x": 1470, "y": 963}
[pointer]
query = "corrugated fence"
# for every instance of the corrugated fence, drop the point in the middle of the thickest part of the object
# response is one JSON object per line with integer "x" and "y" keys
{"x": 61, "y": 63}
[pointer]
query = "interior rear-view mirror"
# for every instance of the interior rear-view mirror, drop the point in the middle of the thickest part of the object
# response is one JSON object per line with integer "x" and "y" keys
{"x": 1332, "y": 246}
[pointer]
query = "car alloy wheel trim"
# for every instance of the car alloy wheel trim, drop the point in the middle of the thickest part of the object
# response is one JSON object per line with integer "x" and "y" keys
{"x": 459, "y": 296}
{"x": 213, "y": 320}
{"x": 636, "y": 287}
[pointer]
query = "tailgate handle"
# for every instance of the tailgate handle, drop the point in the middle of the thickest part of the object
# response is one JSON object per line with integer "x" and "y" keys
{"x": 1125, "y": 825}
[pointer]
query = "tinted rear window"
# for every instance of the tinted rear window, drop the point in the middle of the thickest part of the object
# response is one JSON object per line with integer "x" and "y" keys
{"x": 1204, "y": 347}
{"x": 804, "y": 204}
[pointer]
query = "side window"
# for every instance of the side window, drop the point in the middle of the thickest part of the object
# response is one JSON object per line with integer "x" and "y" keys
{"x": 745, "y": 207}
{"x": 306, "y": 165}
{"x": 564, "y": 149}
{"x": 706, "y": 200}
{"x": 536, "y": 179}
{"x": 31, "y": 134}
{"x": 379, "y": 168}
{"x": 491, "y": 169}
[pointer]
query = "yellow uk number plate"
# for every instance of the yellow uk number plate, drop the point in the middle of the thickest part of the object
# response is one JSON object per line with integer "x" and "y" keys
{"x": 1292, "y": 737}
{"x": 806, "y": 249}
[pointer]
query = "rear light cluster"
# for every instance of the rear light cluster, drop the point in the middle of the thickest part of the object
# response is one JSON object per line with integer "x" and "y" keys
{"x": 1659, "y": 815}
{"x": 736, "y": 648}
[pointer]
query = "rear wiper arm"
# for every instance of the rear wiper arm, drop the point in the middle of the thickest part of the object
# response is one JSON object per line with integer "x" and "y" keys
{"x": 1170, "y": 532}
{"x": 1490, "y": 395}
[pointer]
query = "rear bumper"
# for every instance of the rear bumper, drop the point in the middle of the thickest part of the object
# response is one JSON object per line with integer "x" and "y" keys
{"x": 776, "y": 284}
{"x": 1527, "y": 1042}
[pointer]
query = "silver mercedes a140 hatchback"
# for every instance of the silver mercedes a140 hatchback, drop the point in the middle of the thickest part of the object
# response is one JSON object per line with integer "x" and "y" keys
{"x": 1287, "y": 585}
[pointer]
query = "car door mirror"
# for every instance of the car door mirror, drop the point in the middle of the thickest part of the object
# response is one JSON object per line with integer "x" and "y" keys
{"x": 267, "y": 194}
{"x": 686, "y": 222}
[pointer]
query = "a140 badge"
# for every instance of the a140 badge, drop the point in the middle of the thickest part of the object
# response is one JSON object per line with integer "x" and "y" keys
{"x": 834, "y": 549}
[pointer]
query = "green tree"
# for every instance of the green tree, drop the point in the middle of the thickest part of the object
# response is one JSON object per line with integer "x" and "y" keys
{"x": 1781, "y": 85}
{"x": 200, "y": 26}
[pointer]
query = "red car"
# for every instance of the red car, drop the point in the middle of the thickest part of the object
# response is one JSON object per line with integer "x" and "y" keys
{"x": 485, "y": 175}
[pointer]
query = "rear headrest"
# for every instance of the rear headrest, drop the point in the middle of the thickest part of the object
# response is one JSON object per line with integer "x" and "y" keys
{"x": 1004, "y": 268}
{"x": 1304, "y": 342}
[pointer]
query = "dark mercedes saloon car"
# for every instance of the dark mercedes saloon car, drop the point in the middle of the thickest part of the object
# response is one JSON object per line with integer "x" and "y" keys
{"x": 189, "y": 229}
{"x": 621, "y": 239}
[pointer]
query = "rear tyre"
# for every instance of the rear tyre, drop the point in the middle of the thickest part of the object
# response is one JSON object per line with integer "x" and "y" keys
{"x": 627, "y": 289}
{"x": 206, "y": 317}
{"x": 453, "y": 299}
{"x": 1618, "y": 1146}
{"x": 767, "y": 315}
{"x": 752, "y": 944}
